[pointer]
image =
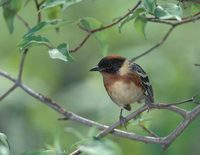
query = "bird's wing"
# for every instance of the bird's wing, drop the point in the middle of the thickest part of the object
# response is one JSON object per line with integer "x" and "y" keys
{"x": 148, "y": 91}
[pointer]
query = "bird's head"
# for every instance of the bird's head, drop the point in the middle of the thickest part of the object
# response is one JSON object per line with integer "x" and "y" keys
{"x": 112, "y": 64}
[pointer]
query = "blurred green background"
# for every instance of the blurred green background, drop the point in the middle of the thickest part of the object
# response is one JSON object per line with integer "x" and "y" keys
{"x": 31, "y": 125}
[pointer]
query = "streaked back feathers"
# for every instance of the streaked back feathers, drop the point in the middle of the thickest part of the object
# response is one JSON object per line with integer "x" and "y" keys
{"x": 148, "y": 90}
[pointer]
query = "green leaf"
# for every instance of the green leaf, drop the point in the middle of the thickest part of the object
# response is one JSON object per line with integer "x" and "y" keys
{"x": 89, "y": 24}
{"x": 32, "y": 40}
{"x": 161, "y": 13}
{"x": 46, "y": 152}
{"x": 2, "y": 2}
{"x": 149, "y": 5}
{"x": 54, "y": 12}
{"x": 70, "y": 2}
{"x": 9, "y": 18}
{"x": 52, "y": 3}
{"x": 131, "y": 17}
{"x": 167, "y": 11}
{"x": 140, "y": 24}
{"x": 44, "y": 24}
{"x": 4, "y": 145}
{"x": 195, "y": 8}
{"x": 61, "y": 52}
{"x": 10, "y": 9}
{"x": 101, "y": 147}
{"x": 64, "y": 3}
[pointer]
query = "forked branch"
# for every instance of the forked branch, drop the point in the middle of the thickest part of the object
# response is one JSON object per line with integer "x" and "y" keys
{"x": 188, "y": 116}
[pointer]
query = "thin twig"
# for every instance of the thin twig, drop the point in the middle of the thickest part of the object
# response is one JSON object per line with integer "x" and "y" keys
{"x": 42, "y": 2}
{"x": 21, "y": 62}
{"x": 26, "y": 24}
{"x": 82, "y": 43}
{"x": 174, "y": 19}
{"x": 21, "y": 65}
{"x": 37, "y": 4}
{"x": 155, "y": 20}
{"x": 192, "y": 99}
{"x": 151, "y": 133}
{"x": 155, "y": 46}
{"x": 104, "y": 27}
{"x": 173, "y": 23}
{"x": 8, "y": 92}
{"x": 191, "y": 115}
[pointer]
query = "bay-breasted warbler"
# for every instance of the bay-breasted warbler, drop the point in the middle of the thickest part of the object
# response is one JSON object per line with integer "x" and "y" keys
{"x": 125, "y": 82}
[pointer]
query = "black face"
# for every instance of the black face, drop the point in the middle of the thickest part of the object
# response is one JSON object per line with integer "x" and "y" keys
{"x": 111, "y": 65}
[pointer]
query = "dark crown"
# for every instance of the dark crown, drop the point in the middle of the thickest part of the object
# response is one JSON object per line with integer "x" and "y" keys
{"x": 111, "y": 64}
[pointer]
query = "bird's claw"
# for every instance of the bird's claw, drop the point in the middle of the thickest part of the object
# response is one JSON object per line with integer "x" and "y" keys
{"x": 122, "y": 121}
{"x": 149, "y": 106}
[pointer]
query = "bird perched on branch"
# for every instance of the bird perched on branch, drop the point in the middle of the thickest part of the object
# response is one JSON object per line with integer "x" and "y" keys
{"x": 125, "y": 82}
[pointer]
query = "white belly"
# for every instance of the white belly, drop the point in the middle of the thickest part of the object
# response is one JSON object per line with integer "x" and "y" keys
{"x": 125, "y": 93}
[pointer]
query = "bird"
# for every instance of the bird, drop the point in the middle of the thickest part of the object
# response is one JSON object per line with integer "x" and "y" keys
{"x": 125, "y": 82}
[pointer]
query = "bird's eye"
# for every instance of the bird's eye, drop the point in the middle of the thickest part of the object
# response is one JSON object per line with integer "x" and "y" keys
{"x": 109, "y": 65}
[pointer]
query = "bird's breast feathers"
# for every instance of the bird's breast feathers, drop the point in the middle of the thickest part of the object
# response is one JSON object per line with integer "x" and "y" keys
{"x": 123, "y": 92}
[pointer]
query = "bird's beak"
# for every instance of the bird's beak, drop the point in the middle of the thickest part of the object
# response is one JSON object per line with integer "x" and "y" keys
{"x": 96, "y": 68}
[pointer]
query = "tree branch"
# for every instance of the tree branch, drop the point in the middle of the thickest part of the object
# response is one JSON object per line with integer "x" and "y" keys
{"x": 8, "y": 92}
{"x": 155, "y": 46}
{"x": 37, "y": 4}
{"x": 26, "y": 24}
{"x": 172, "y": 22}
{"x": 105, "y": 27}
{"x": 21, "y": 65}
{"x": 188, "y": 116}
{"x": 164, "y": 141}
{"x": 173, "y": 25}
{"x": 151, "y": 133}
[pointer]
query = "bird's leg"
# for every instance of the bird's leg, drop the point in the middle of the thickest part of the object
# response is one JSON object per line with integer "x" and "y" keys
{"x": 148, "y": 103}
{"x": 122, "y": 119}
{"x": 149, "y": 107}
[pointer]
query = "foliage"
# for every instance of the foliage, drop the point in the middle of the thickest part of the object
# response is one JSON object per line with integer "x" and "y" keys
{"x": 64, "y": 3}
{"x": 42, "y": 34}
{"x": 140, "y": 24}
{"x": 98, "y": 147}
{"x": 88, "y": 24}
{"x": 10, "y": 9}
{"x": 4, "y": 145}
{"x": 32, "y": 39}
